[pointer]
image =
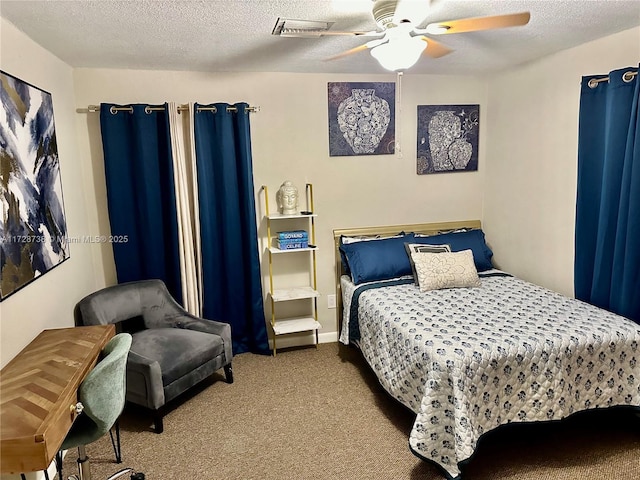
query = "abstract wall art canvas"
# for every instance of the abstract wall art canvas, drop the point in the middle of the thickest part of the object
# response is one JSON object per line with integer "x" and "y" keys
{"x": 33, "y": 227}
{"x": 362, "y": 118}
{"x": 447, "y": 138}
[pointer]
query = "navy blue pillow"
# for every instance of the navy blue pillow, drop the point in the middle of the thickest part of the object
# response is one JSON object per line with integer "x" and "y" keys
{"x": 470, "y": 240}
{"x": 378, "y": 259}
{"x": 343, "y": 258}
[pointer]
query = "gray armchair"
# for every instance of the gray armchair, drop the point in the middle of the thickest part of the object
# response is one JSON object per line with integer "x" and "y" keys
{"x": 171, "y": 350}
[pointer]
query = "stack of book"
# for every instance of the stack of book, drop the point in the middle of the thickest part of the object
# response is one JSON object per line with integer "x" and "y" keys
{"x": 293, "y": 239}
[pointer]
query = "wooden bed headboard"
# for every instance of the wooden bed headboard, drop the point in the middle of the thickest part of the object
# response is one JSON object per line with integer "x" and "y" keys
{"x": 387, "y": 230}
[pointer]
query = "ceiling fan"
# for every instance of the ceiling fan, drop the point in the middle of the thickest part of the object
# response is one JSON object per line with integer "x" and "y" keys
{"x": 402, "y": 42}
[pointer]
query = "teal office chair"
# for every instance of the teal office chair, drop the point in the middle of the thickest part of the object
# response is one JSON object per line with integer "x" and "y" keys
{"x": 102, "y": 396}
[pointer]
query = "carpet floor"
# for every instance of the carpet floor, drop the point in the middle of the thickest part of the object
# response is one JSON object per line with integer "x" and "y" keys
{"x": 321, "y": 414}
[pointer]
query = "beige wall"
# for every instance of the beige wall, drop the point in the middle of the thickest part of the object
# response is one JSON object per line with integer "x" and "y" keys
{"x": 530, "y": 189}
{"x": 48, "y": 301}
{"x": 290, "y": 141}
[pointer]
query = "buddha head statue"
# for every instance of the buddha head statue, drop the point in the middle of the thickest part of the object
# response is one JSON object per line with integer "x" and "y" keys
{"x": 287, "y": 198}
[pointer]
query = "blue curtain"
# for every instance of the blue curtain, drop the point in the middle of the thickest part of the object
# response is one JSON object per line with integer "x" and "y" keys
{"x": 141, "y": 195}
{"x": 607, "y": 238}
{"x": 231, "y": 268}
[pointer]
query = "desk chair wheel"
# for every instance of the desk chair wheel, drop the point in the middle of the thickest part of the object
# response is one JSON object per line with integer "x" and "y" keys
{"x": 134, "y": 475}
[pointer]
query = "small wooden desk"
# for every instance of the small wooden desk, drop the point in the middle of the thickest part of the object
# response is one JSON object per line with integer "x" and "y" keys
{"x": 38, "y": 394}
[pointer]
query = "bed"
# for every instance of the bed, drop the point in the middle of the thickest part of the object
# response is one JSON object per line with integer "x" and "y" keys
{"x": 469, "y": 359}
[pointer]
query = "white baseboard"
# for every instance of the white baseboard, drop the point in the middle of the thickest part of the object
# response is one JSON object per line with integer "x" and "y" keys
{"x": 328, "y": 337}
{"x": 303, "y": 339}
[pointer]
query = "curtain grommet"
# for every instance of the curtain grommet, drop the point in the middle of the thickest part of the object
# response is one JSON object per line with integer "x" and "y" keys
{"x": 628, "y": 76}
{"x": 113, "y": 110}
{"x": 593, "y": 83}
{"x": 147, "y": 110}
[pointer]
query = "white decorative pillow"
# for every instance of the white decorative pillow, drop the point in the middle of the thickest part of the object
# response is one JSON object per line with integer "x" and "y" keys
{"x": 445, "y": 270}
{"x": 441, "y": 232}
{"x": 345, "y": 240}
{"x": 421, "y": 247}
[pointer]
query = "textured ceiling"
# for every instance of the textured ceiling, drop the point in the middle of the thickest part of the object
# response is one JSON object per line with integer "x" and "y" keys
{"x": 235, "y": 35}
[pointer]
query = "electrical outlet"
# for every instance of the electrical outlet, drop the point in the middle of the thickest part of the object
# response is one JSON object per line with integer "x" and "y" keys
{"x": 331, "y": 301}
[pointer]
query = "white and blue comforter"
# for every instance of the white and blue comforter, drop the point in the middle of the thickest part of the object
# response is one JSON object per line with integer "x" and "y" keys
{"x": 467, "y": 360}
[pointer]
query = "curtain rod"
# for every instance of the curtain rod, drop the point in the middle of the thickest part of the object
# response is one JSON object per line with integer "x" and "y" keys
{"x": 181, "y": 108}
{"x": 626, "y": 76}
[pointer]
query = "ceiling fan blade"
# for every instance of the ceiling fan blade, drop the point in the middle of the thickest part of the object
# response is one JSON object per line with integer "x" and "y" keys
{"x": 435, "y": 49}
{"x": 360, "y": 48}
{"x": 371, "y": 33}
{"x": 479, "y": 23}
{"x": 348, "y": 52}
{"x": 318, "y": 33}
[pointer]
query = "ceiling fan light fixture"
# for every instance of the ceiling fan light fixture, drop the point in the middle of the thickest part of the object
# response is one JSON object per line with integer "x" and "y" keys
{"x": 400, "y": 54}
